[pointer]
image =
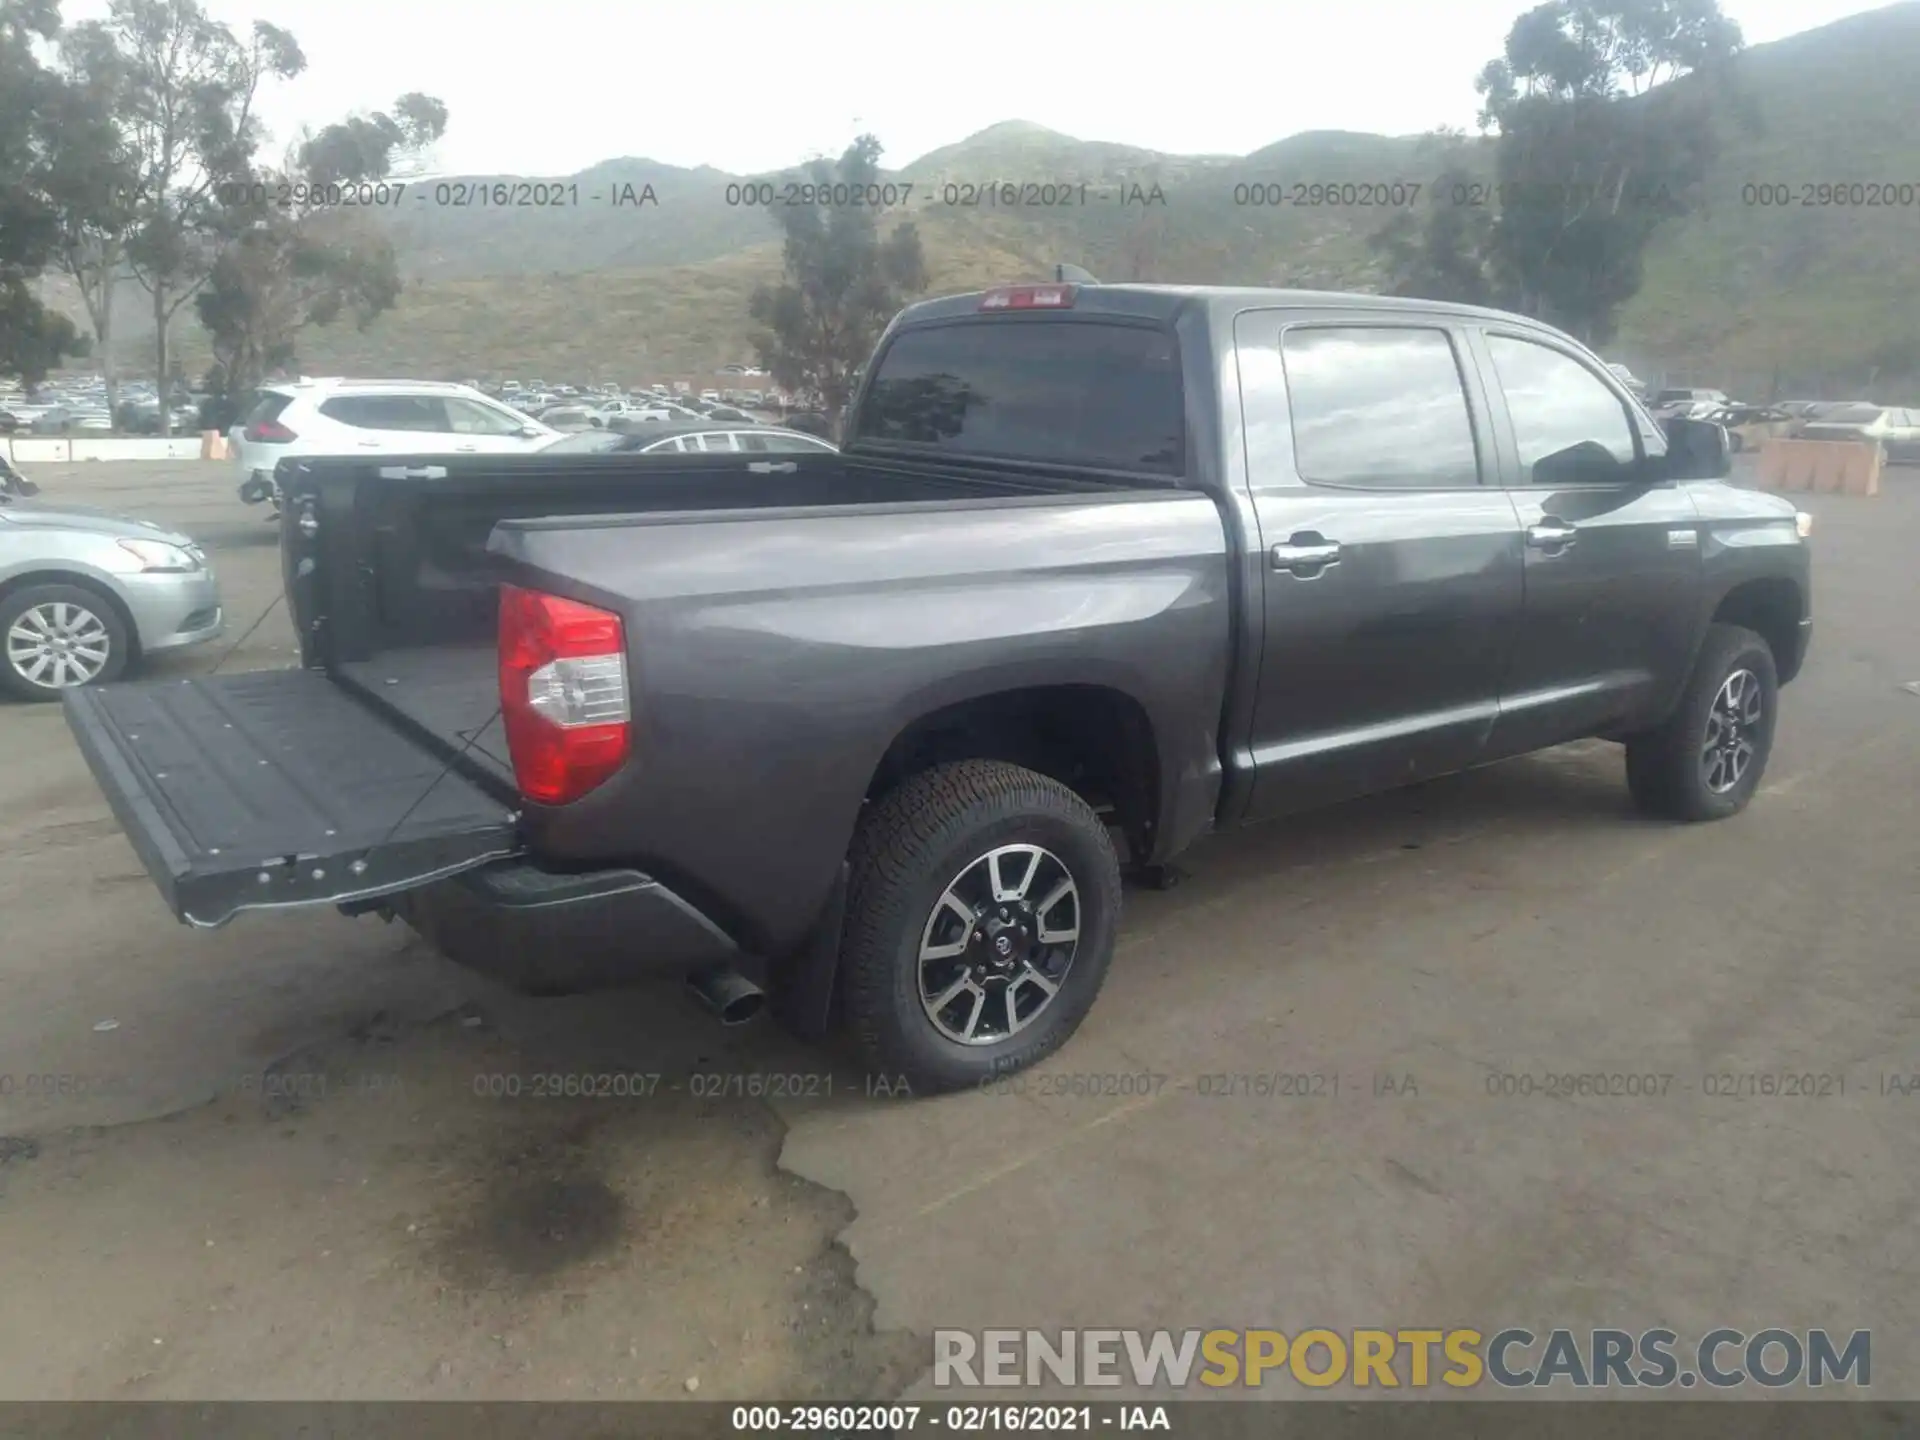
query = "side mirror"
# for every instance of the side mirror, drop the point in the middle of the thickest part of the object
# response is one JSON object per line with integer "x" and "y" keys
{"x": 527, "y": 432}
{"x": 1697, "y": 449}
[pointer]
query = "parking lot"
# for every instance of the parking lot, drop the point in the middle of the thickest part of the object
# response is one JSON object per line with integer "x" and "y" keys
{"x": 304, "y": 1157}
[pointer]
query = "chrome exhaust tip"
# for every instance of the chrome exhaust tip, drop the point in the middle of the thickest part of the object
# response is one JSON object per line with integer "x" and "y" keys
{"x": 732, "y": 997}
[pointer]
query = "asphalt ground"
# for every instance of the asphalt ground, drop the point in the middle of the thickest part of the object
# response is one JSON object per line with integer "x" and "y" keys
{"x": 280, "y": 1160}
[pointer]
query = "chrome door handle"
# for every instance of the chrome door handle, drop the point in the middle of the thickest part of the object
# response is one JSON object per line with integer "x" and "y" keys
{"x": 1306, "y": 557}
{"x": 1551, "y": 535}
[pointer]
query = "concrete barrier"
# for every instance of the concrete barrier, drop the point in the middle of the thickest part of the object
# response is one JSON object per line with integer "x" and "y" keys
{"x": 1823, "y": 467}
{"x": 50, "y": 450}
{"x": 38, "y": 449}
{"x": 180, "y": 447}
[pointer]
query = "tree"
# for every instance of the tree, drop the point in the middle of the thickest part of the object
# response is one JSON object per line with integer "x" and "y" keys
{"x": 92, "y": 185}
{"x": 1441, "y": 255}
{"x": 33, "y": 339}
{"x": 843, "y": 282}
{"x": 1601, "y": 113}
{"x": 310, "y": 261}
{"x": 186, "y": 115}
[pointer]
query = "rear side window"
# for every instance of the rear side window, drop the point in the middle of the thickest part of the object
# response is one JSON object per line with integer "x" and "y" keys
{"x": 266, "y": 407}
{"x": 1378, "y": 407}
{"x": 1073, "y": 392}
{"x": 387, "y": 412}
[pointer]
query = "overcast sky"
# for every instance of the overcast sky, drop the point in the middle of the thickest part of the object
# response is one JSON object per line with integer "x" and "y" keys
{"x": 550, "y": 88}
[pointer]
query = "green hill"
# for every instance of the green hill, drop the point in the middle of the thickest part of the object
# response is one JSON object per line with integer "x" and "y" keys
{"x": 1743, "y": 287}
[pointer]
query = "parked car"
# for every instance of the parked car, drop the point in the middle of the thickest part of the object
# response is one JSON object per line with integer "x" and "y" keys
{"x": 879, "y": 730}
{"x": 1678, "y": 399}
{"x": 84, "y": 594}
{"x": 571, "y": 417}
{"x": 51, "y": 420}
{"x": 357, "y": 417}
{"x": 142, "y": 417}
{"x": 697, "y": 438}
{"x": 9, "y": 422}
{"x": 1896, "y": 429}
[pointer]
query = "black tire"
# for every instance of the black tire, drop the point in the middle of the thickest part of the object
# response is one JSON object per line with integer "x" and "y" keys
{"x": 1668, "y": 768}
{"x": 916, "y": 842}
{"x": 14, "y": 681}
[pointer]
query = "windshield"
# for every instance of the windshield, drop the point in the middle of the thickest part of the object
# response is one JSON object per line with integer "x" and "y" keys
{"x": 1071, "y": 392}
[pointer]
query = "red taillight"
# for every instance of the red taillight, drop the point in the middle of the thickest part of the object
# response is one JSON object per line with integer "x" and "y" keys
{"x": 1029, "y": 297}
{"x": 563, "y": 694}
{"x": 269, "y": 432}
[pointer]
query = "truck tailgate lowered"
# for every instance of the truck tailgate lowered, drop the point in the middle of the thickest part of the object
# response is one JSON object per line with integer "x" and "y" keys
{"x": 278, "y": 788}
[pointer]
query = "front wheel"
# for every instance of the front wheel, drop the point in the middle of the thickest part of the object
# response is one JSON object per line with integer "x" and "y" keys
{"x": 1706, "y": 761}
{"x": 57, "y": 637}
{"x": 982, "y": 907}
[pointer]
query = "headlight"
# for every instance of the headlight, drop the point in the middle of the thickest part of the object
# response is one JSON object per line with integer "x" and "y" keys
{"x": 159, "y": 556}
{"x": 1802, "y": 524}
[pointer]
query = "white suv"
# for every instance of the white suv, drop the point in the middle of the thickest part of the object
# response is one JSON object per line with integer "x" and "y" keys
{"x": 373, "y": 417}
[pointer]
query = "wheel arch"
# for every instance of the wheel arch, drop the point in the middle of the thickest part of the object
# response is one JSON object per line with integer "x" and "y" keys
{"x": 1771, "y": 607}
{"x": 80, "y": 579}
{"x": 1032, "y": 725}
{"x": 1094, "y": 738}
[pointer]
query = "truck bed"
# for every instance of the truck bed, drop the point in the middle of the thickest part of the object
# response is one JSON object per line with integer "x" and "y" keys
{"x": 449, "y": 693}
{"x": 277, "y": 788}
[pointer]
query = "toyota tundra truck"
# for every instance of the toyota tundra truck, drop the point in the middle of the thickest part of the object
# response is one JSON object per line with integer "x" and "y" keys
{"x": 875, "y": 736}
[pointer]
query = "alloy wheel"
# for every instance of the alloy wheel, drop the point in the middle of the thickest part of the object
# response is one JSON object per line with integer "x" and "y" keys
{"x": 999, "y": 943}
{"x": 58, "y": 645}
{"x": 1733, "y": 723}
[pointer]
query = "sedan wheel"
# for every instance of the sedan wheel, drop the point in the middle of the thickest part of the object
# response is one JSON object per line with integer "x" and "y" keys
{"x": 58, "y": 637}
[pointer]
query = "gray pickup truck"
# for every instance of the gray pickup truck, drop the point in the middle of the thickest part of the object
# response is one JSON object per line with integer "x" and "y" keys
{"x": 876, "y": 735}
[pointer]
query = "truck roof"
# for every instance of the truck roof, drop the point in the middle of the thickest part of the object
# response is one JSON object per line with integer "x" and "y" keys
{"x": 1164, "y": 302}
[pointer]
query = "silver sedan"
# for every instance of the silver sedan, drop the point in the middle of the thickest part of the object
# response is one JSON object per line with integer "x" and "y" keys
{"x": 85, "y": 593}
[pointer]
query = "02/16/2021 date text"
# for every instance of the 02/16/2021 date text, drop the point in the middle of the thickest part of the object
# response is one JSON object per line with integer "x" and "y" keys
{"x": 441, "y": 194}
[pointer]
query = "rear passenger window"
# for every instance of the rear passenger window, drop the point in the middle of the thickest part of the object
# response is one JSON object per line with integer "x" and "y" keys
{"x": 1375, "y": 406}
{"x": 1571, "y": 429}
{"x": 387, "y": 412}
{"x": 466, "y": 418}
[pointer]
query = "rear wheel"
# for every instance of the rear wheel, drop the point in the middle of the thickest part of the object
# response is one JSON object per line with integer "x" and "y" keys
{"x": 982, "y": 907}
{"x": 56, "y": 637}
{"x": 1709, "y": 757}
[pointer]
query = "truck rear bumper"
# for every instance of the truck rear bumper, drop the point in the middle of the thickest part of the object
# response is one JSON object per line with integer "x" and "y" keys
{"x": 544, "y": 933}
